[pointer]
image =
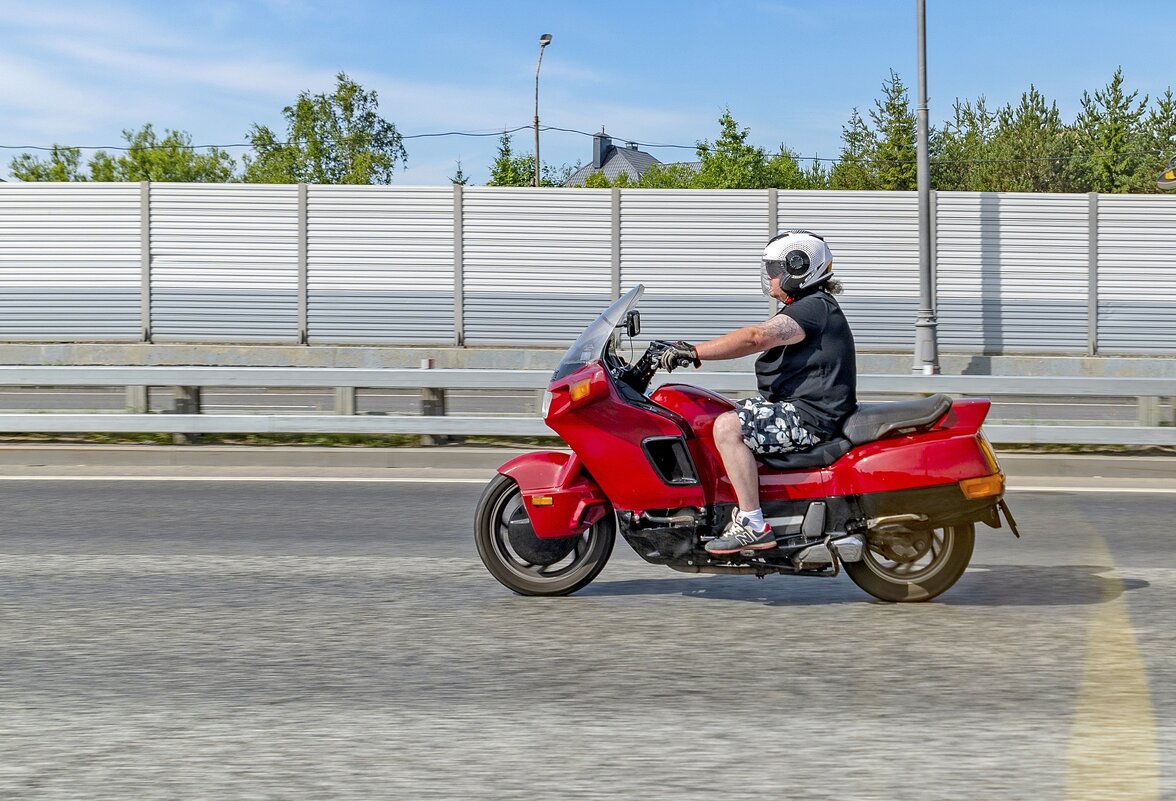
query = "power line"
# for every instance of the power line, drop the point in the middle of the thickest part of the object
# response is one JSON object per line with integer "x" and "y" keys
{"x": 132, "y": 148}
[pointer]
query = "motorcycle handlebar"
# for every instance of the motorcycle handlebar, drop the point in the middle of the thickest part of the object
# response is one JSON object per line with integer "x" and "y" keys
{"x": 641, "y": 372}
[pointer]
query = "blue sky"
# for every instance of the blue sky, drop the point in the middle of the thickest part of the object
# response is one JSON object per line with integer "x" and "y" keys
{"x": 654, "y": 72}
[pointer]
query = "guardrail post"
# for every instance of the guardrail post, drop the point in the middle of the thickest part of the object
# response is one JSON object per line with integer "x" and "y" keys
{"x": 345, "y": 400}
{"x": 433, "y": 404}
{"x": 186, "y": 401}
{"x": 1148, "y": 411}
{"x": 136, "y": 402}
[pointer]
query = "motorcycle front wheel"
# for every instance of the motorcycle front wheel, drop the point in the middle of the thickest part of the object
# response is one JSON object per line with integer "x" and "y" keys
{"x": 914, "y": 567}
{"x": 528, "y": 564}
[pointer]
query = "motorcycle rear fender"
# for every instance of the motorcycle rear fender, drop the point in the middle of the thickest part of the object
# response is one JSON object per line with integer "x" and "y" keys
{"x": 947, "y": 453}
{"x": 561, "y": 499}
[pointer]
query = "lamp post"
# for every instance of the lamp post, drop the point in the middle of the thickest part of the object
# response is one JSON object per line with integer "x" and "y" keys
{"x": 544, "y": 41}
{"x": 926, "y": 344}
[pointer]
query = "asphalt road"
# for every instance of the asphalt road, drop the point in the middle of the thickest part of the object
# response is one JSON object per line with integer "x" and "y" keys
{"x": 310, "y": 640}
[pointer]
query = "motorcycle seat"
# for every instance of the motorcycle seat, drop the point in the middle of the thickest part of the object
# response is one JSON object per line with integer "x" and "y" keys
{"x": 821, "y": 455}
{"x": 870, "y": 422}
{"x": 873, "y": 421}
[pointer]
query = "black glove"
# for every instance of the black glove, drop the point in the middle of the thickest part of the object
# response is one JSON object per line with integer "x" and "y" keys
{"x": 678, "y": 354}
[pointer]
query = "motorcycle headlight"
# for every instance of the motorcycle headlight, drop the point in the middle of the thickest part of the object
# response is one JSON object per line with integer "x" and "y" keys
{"x": 546, "y": 402}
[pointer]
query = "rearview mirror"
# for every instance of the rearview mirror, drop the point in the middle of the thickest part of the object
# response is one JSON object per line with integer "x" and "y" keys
{"x": 633, "y": 323}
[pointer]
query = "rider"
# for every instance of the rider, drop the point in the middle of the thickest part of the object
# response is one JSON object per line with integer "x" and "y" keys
{"x": 806, "y": 375}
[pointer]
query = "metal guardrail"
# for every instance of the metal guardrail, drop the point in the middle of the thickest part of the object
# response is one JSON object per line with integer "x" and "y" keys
{"x": 1148, "y": 391}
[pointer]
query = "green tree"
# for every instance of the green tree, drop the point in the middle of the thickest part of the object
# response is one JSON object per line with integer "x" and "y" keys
{"x": 854, "y": 169}
{"x": 730, "y": 162}
{"x": 784, "y": 171}
{"x": 1030, "y": 147}
{"x": 894, "y": 133}
{"x": 147, "y": 158}
{"x": 1112, "y": 140}
{"x": 667, "y": 176}
{"x": 509, "y": 169}
{"x": 961, "y": 152}
{"x": 459, "y": 178}
{"x": 63, "y": 164}
{"x": 1161, "y": 131}
{"x": 337, "y": 138}
{"x": 172, "y": 158}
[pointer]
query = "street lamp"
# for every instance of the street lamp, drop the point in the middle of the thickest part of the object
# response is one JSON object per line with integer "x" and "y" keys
{"x": 926, "y": 333}
{"x": 544, "y": 41}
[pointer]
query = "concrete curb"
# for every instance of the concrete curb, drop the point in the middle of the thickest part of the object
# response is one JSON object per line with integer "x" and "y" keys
{"x": 1015, "y": 464}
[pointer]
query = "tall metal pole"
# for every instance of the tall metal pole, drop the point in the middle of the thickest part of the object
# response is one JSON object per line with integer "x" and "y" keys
{"x": 926, "y": 335}
{"x": 544, "y": 41}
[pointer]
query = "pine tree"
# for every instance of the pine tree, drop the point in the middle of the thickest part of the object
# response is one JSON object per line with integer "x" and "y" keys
{"x": 895, "y": 133}
{"x": 731, "y": 163}
{"x": 1161, "y": 131}
{"x": 1112, "y": 139}
{"x": 961, "y": 152}
{"x": 1031, "y": 147}
{"x": 459, "y": 178}
{"x": 509, "y": 169}
{"x": 854, "y": 169}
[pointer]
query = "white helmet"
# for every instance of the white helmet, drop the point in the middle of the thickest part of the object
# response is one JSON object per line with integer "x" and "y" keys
{"x": 800, "y": 258}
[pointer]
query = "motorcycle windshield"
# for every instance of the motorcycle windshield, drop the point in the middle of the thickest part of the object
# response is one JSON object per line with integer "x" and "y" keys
{"x": 591, "y": 344}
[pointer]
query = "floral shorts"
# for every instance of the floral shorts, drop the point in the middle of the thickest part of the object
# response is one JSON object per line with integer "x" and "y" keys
{"x": 773, "y": 427}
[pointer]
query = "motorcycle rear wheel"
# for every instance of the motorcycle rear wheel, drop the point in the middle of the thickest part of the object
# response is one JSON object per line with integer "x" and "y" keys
{"x": 926, "y": 570}
{"x": 528, "y": 564}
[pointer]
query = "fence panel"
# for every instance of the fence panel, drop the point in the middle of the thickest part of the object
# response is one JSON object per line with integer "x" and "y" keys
{"x": 537, "y": 263}
{"x": 874, "y": 237}
{"x": 1137, "y": 274}
{"x": 380, "y": 264}
{"x": 224, "y": 263}
{"x": 70, "y": 265}
{"x": 1012, "y": 272}
{"x": 698, "y": 254}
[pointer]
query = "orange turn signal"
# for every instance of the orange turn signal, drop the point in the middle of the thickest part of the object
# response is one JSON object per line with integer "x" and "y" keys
{"x": 542, "y": 500}
{"x": 581, "y": 390}
{"x": 983, "y": 487}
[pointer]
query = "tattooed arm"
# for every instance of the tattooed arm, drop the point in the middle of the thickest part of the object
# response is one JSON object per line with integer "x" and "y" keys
{"x": 776, "y": 331}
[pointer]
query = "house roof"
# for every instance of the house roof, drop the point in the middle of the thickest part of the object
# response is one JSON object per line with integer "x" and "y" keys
{"x": 618, "y": 160}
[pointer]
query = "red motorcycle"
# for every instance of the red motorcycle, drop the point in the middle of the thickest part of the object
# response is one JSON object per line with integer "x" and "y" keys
{"x": 894, "y": 501}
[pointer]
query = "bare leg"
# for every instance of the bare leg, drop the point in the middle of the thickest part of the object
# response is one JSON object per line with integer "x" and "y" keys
{"x": 738, "y": 460}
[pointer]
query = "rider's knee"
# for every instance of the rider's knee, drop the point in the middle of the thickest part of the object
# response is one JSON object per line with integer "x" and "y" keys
{"x": 727, "y": 428}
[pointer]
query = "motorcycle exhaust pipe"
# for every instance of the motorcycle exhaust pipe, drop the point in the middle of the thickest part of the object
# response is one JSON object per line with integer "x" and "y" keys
{"x": 847, "y": 548}
{"x": 894, "y": 524}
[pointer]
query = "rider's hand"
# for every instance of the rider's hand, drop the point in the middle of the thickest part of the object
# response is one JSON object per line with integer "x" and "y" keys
{"x": 679, "y": 354}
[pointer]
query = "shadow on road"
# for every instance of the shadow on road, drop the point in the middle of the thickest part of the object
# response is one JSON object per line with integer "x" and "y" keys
{"x": 995, "y": 585}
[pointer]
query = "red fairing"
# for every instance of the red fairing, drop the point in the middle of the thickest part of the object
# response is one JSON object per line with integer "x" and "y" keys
{"x": 576, "y": 501}
{"x": 948, "y": 453}
{"x": 700, "y": 407}
{"x": 606, "y": 432}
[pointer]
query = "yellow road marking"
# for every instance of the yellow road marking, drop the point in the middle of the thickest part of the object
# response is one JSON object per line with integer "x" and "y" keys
{"x": 1113, "y": 752}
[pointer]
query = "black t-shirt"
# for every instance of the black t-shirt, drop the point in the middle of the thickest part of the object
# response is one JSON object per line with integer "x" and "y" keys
{"x": 818, "y": 374}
